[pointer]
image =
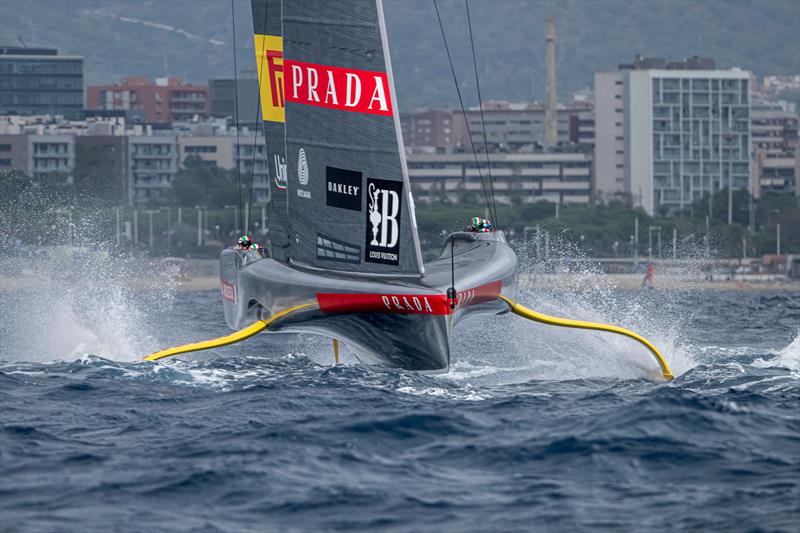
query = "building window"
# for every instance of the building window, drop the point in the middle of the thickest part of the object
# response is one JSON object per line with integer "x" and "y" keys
{"x": 201, "y": 149}
{"x": 5, "y": 162}
{"x": 5, "y": 147}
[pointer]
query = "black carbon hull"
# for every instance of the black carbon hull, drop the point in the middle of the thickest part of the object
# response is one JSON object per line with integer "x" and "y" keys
{"x": 398, "y": 322}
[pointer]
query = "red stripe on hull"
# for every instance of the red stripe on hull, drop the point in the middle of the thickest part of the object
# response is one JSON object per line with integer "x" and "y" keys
{"x": 406, "y": 304}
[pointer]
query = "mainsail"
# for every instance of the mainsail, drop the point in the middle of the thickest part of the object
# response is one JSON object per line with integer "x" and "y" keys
{"x": 343, "y": 197}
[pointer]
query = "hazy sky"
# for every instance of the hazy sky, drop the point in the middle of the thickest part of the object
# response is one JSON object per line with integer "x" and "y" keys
{"x": 191, "y": 38}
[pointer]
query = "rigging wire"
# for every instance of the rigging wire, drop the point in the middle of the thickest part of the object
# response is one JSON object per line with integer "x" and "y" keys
{"x": 236, "y": 112}
{"x": 483, "y": 122}
{"x": 461, "y": 103}
{"x": 259, "y": 125}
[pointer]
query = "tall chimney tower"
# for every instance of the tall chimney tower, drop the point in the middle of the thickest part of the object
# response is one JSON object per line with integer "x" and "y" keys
{"x": 550, "y": 115}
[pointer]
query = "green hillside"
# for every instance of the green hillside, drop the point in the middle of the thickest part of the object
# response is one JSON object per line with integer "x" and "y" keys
{"x": 191, "y": 38}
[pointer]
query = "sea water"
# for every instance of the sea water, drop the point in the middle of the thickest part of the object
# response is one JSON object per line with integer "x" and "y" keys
{"x": 534, "y": 428}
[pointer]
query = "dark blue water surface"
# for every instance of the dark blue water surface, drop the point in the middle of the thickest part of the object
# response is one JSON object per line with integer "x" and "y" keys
{"x": 534, "y": 429}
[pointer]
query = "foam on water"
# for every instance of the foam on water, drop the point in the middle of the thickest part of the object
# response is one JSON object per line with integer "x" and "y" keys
{"x": 788, "y": 358}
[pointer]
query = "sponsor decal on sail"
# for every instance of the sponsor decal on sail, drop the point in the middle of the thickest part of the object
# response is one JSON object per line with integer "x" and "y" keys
{"x": 280, "y": 171}
{"x": 406, "y": 304}
{"x": 383, "y": 221}
{"x": 343, "y": 188}
{"x": 336, "y": 250}
{"x": 359, "y": 91}
{"x": 302, "y": 173}
{"x": 228, "y": 290}
{"x": 270, "y": 64}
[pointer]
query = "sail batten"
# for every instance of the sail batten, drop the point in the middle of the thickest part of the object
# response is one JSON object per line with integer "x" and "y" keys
{"x": 339, "y": 146}
{"x": 324, "y": 22}
{"x": 343, "y": 189}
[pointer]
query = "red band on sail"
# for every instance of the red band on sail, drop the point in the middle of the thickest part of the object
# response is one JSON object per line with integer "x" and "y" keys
{"x": 360, "y": 91}
{"x": 406, "y": 304}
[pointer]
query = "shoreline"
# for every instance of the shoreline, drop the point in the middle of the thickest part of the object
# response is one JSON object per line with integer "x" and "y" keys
{"x": 528, "y": 281}
{"x": 573, "y": 281}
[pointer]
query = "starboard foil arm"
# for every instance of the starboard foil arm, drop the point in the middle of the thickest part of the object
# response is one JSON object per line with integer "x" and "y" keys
{"x": 242, "y": 334}
{"x": 568, "y": 323}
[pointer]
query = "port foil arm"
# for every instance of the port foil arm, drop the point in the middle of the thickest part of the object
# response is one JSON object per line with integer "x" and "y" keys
{"x": 568, "y": 323}
{"x": 235, "y": 337}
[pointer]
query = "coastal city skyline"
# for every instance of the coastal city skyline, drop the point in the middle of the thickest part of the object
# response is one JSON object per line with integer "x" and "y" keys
{"x": 185, "y": 119}
{"x": 658, "y": 134}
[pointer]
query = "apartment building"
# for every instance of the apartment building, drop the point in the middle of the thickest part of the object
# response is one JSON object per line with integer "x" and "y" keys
{"x": 163, "y": 101}
{"x": 429, "y": 128}
{"x": 559, "y": 177}
{"x": 774, "y": 131}
{"x": 38, "y": 155}
{"x": 14, "y": 152}
{"x": 152, "y": 164}
{"x": 668, "y": 133}
{"x": 511, "y": 126}
{"x": 581, "y": 129}
{"x": 214, "y": 150}
{"x": 38, "y": 81}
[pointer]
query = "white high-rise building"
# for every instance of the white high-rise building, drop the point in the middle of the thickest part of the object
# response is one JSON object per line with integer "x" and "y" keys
{"x": 669, "y": 133}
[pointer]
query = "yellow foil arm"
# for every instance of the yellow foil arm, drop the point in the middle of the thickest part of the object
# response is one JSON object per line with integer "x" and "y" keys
{"x": 567, "y": 323}
{"x": 237, "y": 336}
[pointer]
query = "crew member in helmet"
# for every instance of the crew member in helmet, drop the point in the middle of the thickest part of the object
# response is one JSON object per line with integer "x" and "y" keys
{"x": 479, "y": 225}
{"x": 244, "y": 243}
{"x": 475, "y": 225}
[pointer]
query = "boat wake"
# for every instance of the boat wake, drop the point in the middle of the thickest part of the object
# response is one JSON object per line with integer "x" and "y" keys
{"x": 92, "y": 306}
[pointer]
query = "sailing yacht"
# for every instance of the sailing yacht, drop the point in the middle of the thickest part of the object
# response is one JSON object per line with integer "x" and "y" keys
{"x": 343, "y": 248}
{"x": 343, "y": 253}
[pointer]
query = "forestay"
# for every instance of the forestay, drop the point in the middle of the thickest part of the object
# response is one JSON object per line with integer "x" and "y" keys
{"x": 347, "y": 195}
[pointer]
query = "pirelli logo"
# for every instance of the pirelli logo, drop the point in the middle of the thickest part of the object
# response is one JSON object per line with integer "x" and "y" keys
{"x": 269, "y": 59}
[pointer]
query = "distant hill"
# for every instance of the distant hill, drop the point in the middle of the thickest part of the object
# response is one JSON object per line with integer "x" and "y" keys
{"x": 191, "y": 38}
